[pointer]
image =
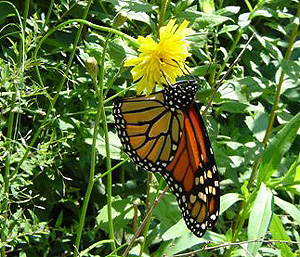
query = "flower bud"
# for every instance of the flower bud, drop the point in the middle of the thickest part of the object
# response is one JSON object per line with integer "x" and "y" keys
{"x": 119, "y": 19}
{"x": 91, "y": 66}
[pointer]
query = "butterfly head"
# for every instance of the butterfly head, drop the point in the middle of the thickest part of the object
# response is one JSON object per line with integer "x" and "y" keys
{"x": 181, "y": 94}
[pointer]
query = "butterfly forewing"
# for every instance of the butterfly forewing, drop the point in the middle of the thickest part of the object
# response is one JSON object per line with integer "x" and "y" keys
{"x": 148, "y": 131}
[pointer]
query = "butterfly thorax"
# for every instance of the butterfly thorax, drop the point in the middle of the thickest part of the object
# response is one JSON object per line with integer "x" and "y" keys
{"x": 180, "y": 95}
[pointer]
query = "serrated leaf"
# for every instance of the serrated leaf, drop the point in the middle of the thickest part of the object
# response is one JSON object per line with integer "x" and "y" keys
{"x": 260, "y": 217}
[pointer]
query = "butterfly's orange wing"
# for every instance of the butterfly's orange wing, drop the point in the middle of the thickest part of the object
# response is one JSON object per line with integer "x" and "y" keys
{"x": 192, "y": 175}
{"x": 162, "y": 136}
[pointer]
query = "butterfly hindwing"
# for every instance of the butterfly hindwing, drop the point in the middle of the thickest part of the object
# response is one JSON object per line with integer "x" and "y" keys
{"x": 192, "y": 175}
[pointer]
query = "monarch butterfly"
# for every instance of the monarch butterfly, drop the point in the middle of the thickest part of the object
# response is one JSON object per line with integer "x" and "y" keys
{"x": 164, "y": 132}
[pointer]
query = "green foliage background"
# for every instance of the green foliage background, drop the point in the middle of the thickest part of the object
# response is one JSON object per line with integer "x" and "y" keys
{"x": 58, "y": 139}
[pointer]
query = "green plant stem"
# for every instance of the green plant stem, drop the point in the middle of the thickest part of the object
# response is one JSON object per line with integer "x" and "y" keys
{"x": 248, "y": 5}
{"x": 162, "y": 13}
{"x": 242, "y": 216}
{"x": 281, "y": 80}
{"x": 147, "y": 205}
{"x": 23, "y": 25}
{"x": 9, "y": 136}
{"x": 276, "y": 101}
{"x": 106, "y": 138}
{"x": 109, "y": 182}
{"x": 111, "y": 169}
{"x": 100, "y": 112}
{"x": 90, "y": 182}
{"x": 246, "y": 205}
{"x": 6, "y": 173}
{"x": 48, "y": 15}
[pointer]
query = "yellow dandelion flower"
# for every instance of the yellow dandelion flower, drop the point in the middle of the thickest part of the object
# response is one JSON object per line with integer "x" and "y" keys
{"x": 158, "y": 62}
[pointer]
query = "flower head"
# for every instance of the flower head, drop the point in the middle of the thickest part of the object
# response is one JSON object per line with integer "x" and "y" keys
{"x": 158, "y": 62}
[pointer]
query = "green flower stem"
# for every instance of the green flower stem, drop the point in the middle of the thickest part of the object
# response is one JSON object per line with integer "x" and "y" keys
{"x": 90, "y": 183}
{"x": 276, "y": 100}
{"x": 162, "y": 13}
{"x": 6, "y": 174}
{"x": 106, "y": 138}
{"x": 109, "y": 182}
{"x": 100, "y": 112}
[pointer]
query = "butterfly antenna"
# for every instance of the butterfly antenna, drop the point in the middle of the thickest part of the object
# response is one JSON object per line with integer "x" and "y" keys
{"x": 184, "y": 69}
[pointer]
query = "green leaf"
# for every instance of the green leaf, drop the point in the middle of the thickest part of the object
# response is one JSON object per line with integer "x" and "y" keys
{"x": 288, "y": 208}
{"x": 170, "y": 217}
{"x": 278, "y": 233}
{"x": 228, "y": 200}
{"x": 114, "y": 145}
{"x": 59, "y": 219}
{"x": 118, "y": 51}
{"x": 257, "y": 123}
{"x": 200, "y": 20}
{"x": 122, "y": 214}
{"x": 228, "y": 10}
{"x": 184, "y": 238}
{"x": 177, "y": 230}
{"x": 269, "y": 46}
{"x": 260, "y": 217}
{"x": 234, "y": 107}
{"x": 207, "y": 6}
{"x": 291, "y": 180}
{"x": 277, "y": 148}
